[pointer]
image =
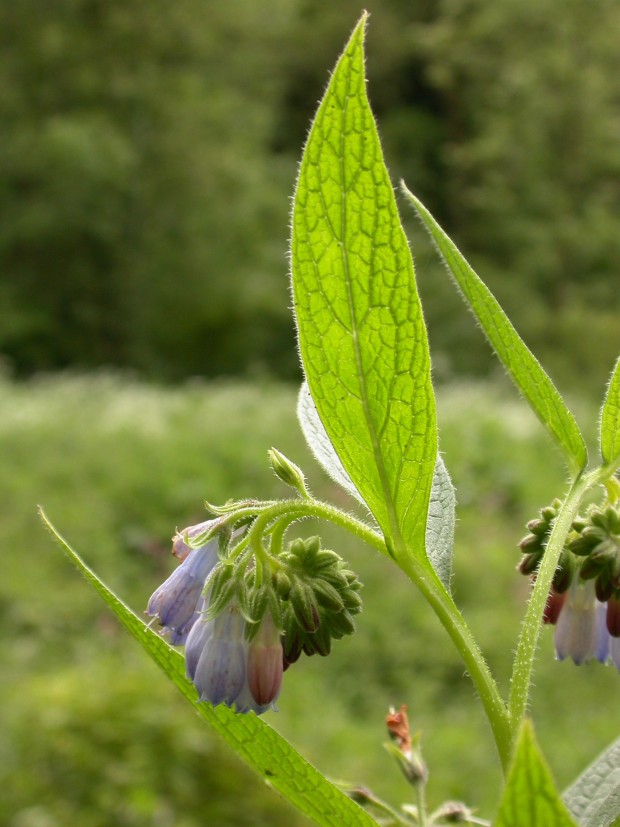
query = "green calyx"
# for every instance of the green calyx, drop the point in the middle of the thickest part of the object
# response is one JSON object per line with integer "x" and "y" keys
{"x": 322, "y": 601}
{"x": 596, "y": 540}
{"x": 309, "y": 592}
{"x": 592, "y": 551}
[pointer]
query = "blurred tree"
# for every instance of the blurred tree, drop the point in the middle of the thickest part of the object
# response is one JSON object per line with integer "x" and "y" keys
{"x": 137, "y": 195}
{"x": 531, "y": 92}
{"x": 149, "y": 149}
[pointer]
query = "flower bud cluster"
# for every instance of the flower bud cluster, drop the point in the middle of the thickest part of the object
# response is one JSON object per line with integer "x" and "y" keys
{"x": 584, "y": 603}
{"x": 318, "y": 597}
{"x": 244, "y": 619}
{"x": 533, "y": 544}
{"x": 598, "y": 543}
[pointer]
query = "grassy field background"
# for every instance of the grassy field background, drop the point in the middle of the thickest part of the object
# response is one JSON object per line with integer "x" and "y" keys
{"x": 92, "y": 733}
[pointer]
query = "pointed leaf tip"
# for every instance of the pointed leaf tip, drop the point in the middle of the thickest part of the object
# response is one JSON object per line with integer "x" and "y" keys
{"x": 361, "y": 333}
{"x": 610, "y": 420}
{"x": 530, "y": 797}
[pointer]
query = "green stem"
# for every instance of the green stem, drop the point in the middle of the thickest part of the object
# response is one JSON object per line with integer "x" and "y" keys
{"x": 423, "y": 576}
{"x": 420, "y": 795}
{"x": 532, "y": 625}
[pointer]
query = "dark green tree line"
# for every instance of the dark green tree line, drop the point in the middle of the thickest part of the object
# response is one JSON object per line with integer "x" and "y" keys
{"x": 150, "y": 148}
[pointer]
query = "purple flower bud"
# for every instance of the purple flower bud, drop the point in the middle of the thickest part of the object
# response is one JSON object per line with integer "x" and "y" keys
{"x": 265, "y": 663}
{"x": 581, "y": 631}
{"x": 175, "y": 602}
{"x": 196, "y": 641}
{"x": 220, "y": 672}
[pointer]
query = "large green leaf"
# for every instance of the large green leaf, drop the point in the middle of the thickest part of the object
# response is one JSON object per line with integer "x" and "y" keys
{"x": 610, "y": 419}
{"x": 594, "y": 798}
{"x": 361, "y": 333}
{"x": 530, "y": 798}
{"x": 521, "y": 364}
{"x": 251, "y": 738}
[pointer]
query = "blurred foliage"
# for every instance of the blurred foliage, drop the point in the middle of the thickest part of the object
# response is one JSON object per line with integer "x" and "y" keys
{"x": 150, "y": 150}
{"x": 92, "y": 733}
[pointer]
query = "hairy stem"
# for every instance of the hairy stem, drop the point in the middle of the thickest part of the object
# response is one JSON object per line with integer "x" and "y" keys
{"x": 424, "y": 577}
{"x": 532, "y": 624}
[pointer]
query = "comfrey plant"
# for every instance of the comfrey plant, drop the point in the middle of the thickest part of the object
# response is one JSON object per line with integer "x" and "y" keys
{"x": 246, "y": 600}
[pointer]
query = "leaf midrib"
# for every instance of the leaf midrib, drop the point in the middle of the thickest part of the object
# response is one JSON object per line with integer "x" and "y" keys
{"x": 395, "y": 533}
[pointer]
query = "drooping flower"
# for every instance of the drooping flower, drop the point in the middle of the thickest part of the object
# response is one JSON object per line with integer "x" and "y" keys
{"x": 266, "y": 663}
{"x": 216, "y": 657}
{"x": 226, "y": 669}
{"x": 176, "y": 601}
{"x": 581, "y": 630}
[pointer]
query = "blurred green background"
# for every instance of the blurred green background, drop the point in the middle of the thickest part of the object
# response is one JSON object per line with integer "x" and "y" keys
{"x": 148, "y": 361}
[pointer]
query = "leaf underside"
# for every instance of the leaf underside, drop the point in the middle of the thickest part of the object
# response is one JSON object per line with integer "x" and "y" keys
{"x": 594, "y": 798}
{"x": 442, "y": 504}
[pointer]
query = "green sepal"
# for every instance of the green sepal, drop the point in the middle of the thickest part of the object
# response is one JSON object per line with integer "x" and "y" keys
{"x": 342, "y": 624}
{"x": 222, "y": 586}
{"x": 304, "y": 606}
{"x": 326, "y": 595}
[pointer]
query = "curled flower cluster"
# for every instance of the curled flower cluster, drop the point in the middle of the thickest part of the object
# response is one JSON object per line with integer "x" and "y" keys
{"x": 584, "y": 602}
{"x": 241, "y": 632}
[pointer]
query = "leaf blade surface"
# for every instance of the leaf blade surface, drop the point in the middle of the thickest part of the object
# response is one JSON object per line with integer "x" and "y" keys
{"x": 361, "y": 333}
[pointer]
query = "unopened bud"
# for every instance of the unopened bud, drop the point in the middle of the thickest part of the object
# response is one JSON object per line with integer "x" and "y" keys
{"x": 406, "y": 750}
{"x": 287, "y": 471}
{"x": 304, "y": 606}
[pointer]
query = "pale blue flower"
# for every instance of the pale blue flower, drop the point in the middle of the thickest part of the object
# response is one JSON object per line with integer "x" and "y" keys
{"x": 581, "y": 631}
{"x": 614, "y": 651}
{"x": 176, "y": 601}
{"x": 219, "y": 672}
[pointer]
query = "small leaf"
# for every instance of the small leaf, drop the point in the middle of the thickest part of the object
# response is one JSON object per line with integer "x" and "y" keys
{"x": 594, "y": 798}
{"x": 442, "y": 504}
{"x": 530, "y": 798}
{"x": 610, "y": 419}
{"x": 361, "y": 333}
{"x": 520, "y": 363}
{"x": 252, "y": 739}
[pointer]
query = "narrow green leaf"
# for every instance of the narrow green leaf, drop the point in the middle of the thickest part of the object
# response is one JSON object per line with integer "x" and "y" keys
{"x": 361, "y": 333}
{"x": 520, "y": 363}
{"x": 610, "y": 419}
{"x": 442, "y": 504}
{"x": 252, "y": 739}
{"x": 530, "y": 798}
{"x": 594, "y": 798}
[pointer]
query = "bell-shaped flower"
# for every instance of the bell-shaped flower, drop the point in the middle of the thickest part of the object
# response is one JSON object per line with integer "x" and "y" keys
{"x": 176, "y": 601}
{"x": 265, "y": 663}
{"x": 581, "y": 630}
{"x": 216, "y": 657}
